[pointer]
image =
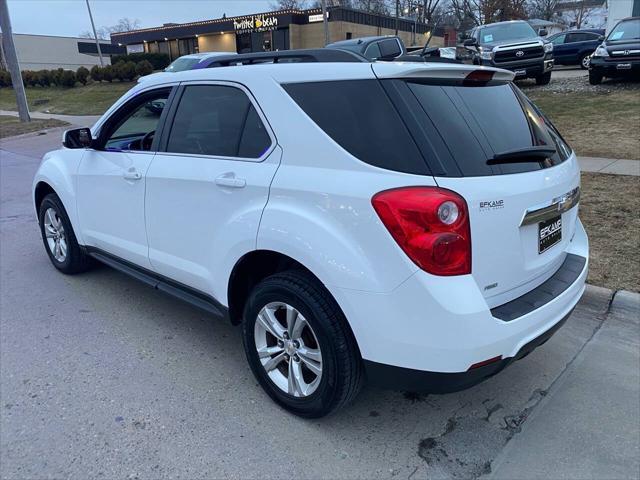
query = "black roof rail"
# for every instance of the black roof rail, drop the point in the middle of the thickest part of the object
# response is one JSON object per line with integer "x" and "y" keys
{"x": 288, "y": 56}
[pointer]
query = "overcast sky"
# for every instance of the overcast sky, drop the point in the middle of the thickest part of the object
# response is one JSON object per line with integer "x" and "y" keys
{"x": 70, "y": 17}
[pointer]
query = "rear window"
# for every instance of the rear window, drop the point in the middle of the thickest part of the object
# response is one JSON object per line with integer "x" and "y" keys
{"x": 359, "y": 116}
{"x": 426, "y": 128}
{"x": 476, "y": 123}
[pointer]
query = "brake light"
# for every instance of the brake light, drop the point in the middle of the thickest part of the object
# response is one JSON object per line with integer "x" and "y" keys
{"x": 430, "y": 224}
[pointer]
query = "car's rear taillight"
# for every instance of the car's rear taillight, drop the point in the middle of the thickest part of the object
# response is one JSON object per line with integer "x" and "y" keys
{"x": 431, "y": 225}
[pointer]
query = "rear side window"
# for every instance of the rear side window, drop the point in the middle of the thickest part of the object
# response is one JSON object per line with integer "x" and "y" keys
{"x": 217, "y": 120}
{"x": 359, "y": 116}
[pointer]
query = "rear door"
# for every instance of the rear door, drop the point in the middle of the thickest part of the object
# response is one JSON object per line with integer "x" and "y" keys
{"x": 462, "y": 131}
{"x": 208, "y": 183}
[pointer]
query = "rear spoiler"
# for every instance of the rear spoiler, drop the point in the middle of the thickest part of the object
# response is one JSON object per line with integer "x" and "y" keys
{"x": 448, "y": 72}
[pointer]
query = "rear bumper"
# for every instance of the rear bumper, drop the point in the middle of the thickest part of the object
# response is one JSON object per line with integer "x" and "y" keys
{"x": 430, "y": 330}
{"x": 398, "y": 378}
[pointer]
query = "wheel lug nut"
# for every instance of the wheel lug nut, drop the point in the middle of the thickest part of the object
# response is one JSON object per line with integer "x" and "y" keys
{"x": 296, "y": 343}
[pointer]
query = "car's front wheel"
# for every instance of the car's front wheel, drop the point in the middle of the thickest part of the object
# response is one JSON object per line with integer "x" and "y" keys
{"x": 59, "y": 238}
{"x": 543, "y": 79}
{"x": 595, "y": 78}
{"x": 299, "y": 345}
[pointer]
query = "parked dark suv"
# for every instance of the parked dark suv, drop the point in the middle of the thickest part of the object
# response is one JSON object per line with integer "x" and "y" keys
{"x": 619, "y": 54}
{"x": 575, "y": 47}
{"x": 515, "y": 46}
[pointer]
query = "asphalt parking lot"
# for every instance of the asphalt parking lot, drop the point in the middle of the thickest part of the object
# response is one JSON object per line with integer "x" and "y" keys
{"x": 101, "y": 377}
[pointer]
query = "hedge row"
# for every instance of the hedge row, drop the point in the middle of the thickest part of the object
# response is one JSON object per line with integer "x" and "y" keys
{"x": 158, "y": 60}
{"x": 123, "y": 71}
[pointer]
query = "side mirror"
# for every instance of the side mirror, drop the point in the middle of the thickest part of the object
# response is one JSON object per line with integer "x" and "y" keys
{"x": 543, "y": 32}
{"x": 470, "y": 42}
{"x": 77, "y": 138}
{"x": 601, "y": 38}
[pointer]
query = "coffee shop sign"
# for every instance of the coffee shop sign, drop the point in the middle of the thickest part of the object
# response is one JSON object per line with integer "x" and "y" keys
{"x": 255, "y": 23}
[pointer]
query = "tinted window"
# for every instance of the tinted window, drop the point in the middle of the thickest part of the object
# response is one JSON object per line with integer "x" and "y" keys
{"x": 559, "y": 40}
{"x": 372, "y": 51}
{"x": 359, "y": 116}
{"x": 476, "y": 123}
{"x": 390, "y": 48}
{"x": 217, "y": 120}
{"x": 135, "y": 129}
{"x": 578, "y": 37}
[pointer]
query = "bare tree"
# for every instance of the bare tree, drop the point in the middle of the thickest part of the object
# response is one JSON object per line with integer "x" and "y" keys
{"x": 123, "y": 25}
{"x": 544, "y": 9}
{"x": 288, "y": 4}
{"x": 576, "y": 13}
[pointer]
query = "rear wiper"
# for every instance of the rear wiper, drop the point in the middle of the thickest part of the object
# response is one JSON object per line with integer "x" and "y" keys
{"x": 520, "y": 155}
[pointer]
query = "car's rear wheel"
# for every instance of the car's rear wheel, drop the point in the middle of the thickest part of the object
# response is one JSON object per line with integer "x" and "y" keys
{"x": 299, "y": 345}
{"x": 585, "y": 60}
{"x": 58, "y": 237}
{"x": 543, "y": 79}
{"x": 595, "y": 78}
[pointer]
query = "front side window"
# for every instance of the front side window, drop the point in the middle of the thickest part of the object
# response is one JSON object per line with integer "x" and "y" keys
{"x": 217, "y": 120}
{"x": 373, "y": 51}
{"x": 559, "y": 40}
{"x": 136, "y": 126}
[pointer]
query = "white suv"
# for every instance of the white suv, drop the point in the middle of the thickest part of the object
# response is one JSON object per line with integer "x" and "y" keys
{"x": 412, "y": 224}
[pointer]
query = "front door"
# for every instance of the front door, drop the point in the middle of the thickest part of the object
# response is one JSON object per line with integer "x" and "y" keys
{"x": 208, "y": 184}
{"x": 111, "y": 179}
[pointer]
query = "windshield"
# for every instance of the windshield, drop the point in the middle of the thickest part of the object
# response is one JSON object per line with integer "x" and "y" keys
{"x": 629, "y": 30}
{"x": 506, "y": 31}
{"x": 182, "y": 64}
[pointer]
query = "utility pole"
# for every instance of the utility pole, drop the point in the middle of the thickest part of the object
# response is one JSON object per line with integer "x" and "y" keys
{"x": 95, "y": 35}
{"x": 325, "y": 22}
{"x": 397, "y": 14}
{"x": 11, "y": 59}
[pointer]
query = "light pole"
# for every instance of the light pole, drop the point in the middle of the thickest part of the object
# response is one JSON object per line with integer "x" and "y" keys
{"x": 325, "y": 22}
{"x": 11, "y": 57}
{"x": 95, "y": 34}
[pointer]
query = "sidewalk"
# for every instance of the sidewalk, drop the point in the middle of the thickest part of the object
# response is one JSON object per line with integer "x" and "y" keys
{"x": 587, "y": 425}
{"x": 609, "y": 165}
{"x": 79, "y": 120}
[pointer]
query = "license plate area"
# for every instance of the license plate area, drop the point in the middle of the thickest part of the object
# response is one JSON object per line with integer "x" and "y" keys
{"x": 549, "y": 233}
{"x": 519, "y": 73}
{"x": 623, "y": 66}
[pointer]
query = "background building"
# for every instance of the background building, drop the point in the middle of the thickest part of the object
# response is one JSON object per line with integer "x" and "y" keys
{"x": 46, "y": 52}
{"x": 619, "y": 9}
{"x": 279, "y": 30}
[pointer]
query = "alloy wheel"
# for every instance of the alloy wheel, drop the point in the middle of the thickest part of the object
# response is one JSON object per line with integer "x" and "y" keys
{"x": 55, "y": 235}
{"x": 288, "y": 349}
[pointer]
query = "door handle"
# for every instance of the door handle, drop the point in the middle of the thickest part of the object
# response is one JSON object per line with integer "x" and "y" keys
{"x": 230, "y": 180}
{"x": 132, "y": 174}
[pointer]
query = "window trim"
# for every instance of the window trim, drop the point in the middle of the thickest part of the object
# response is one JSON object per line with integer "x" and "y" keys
{"x": 173, "y": 108}
{"x": 98, "y": 129}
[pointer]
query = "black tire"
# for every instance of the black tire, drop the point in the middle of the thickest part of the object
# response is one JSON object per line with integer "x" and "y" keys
{"x": 342, "y": 372}
{"x": 595, "y": 78}
{"x": 76, "y": 260}
{"x": 543, "y": 79}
